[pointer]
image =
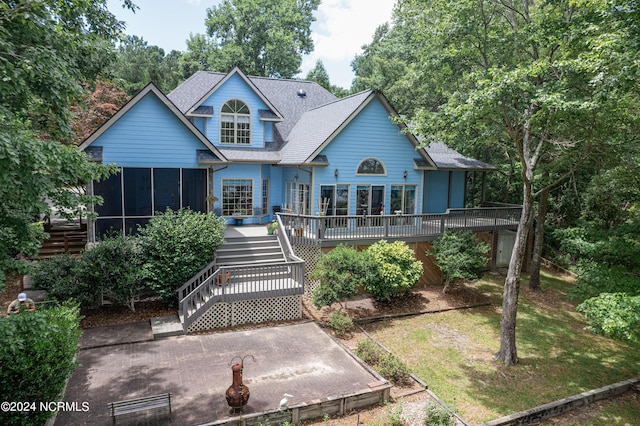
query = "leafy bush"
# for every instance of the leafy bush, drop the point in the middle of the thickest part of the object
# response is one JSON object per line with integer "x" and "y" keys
{"x": 397, "y": 270}
{"x": 37, "y": 358}
{"x": 388, "y": 365}
{"x": 112, "y": 266}
{"x": 60, "y": 278}
{"x": 460, "y": 255}
{"x": 436, "y": 415}
{"x": 369, "y": 351}
{"x": 340, "y": 323}
{"x": 394, "y": 369}
{"x": 176, "y": 245}
{"x": 341, "y": 272}
{"x": 613, "y": 314}
{"x": 595, "y": 278}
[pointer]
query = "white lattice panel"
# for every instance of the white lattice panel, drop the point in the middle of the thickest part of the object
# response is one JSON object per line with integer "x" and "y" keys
{"x": 249, "y": 311}
{"x": 263, "y": 310}
{"x": 311, "y": 256}
{"x": 218, "y": 316}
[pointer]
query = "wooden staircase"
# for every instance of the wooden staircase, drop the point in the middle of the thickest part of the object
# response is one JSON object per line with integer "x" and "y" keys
{"x": 64, "y": 237}
{"x": 249, "y": 251}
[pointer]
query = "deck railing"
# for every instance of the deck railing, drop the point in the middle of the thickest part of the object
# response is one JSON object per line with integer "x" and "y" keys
{"x": 301, "y": 229}
{"x": 233, "y": 283}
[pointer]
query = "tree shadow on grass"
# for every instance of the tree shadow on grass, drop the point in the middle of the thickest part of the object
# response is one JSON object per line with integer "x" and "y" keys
{"x": 557, "y": 357}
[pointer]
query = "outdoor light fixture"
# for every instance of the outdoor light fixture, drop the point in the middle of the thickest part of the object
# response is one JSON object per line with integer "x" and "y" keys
{"x": 405, "y": 174}
{"x": 335, "y": 173}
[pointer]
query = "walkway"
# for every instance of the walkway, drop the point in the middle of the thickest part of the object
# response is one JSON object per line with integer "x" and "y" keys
{"x": 298, "y": 359}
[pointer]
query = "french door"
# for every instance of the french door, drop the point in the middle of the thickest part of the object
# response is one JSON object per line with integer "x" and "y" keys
{"x": 369, "y": 200}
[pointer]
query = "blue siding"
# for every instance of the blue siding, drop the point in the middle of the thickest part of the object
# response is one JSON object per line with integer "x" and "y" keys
{"x": 239, "y": 171}
{"x": 370, "y": 135}
{"x": 457, "y": 190}
{"x": 149, "y": 135}
{"x": 437, "y": 191}
{"x": 235, "y": 88}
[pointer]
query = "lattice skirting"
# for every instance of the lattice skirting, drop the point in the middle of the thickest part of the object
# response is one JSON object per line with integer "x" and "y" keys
{"x": 311, "y": 256}
{"x": 249, "y": 311}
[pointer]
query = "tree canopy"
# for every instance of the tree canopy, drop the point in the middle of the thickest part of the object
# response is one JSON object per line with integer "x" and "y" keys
{"x": 532, "y": 81}
{"x": 262, "y": 37}
{"x": 48, "y": 49}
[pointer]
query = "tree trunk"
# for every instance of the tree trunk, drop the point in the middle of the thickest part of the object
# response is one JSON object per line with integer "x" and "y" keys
{"x": 508, "y": 352}
{"x": 534, "y": 276}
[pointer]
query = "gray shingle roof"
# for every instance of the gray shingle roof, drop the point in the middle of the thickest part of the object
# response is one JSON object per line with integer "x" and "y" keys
{"x": 447, "y": 158}
{"x": 308, "y": 121}
{"x": 283, "y": 95}
{"x": 317, "y": 125}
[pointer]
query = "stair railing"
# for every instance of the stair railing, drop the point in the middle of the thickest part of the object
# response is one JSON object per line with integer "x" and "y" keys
{"x": 285, "y": 244}
{"x": 198, "y": 279}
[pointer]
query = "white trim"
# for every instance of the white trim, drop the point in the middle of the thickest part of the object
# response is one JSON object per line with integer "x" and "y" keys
{"x": 371, "y": 174}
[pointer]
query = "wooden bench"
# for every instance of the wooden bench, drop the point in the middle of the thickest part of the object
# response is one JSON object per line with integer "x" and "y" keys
{"x": 140, "y": 404}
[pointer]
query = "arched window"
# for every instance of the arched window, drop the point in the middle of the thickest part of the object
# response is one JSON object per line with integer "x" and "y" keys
{"x": 235, "y": 123}
{"x": 371, "y": 166}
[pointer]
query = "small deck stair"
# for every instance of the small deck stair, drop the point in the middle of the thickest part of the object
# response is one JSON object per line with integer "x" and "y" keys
{"x": 250, "y": 250}
{"x": 64, "y": 237}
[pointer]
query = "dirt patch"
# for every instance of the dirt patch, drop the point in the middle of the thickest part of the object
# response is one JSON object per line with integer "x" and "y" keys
{"x": 111, "y": 315}
{"x": 423, "y": 299}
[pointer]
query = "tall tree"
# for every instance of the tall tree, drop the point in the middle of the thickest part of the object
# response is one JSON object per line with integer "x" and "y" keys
{"x": 47, "y": 49}
{"x": 320, "y": 75}
{"x": 95, "y": 108}
{"x": 138, "y": 64}
{"x": 520, "y": 75}
{"x": 263, "y": 37}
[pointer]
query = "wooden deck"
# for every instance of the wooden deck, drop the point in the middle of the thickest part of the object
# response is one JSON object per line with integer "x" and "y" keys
{"x": 333, "y": 230}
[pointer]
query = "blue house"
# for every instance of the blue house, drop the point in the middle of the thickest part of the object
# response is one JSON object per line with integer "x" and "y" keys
{"x": 247, "y": 147}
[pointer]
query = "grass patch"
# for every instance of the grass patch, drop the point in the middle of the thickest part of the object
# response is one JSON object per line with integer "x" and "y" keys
{"x": 453, "y": 353}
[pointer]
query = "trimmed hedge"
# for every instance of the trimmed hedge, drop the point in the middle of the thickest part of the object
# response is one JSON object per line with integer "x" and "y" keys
{"x": 37, "y": 356}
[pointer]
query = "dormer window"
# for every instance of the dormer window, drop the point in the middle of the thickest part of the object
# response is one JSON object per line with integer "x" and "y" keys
{"x": 235, "y": 123}
{"x": 371, "y": 166}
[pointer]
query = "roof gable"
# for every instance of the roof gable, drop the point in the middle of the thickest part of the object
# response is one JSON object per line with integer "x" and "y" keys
{"x": 237, "y": 72}
{"x": 318, "y": 127}
{"x": 152, "y": 91}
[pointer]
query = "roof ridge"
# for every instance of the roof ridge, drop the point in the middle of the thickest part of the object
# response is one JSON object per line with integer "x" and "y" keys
{"x": 368, "y": 92}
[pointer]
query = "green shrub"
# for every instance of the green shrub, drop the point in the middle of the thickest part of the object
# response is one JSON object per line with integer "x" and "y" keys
{"x": 113, "y": 266}
{"x": 460, "y": 255}
{"x": 341, "y": 272}
{"x": 60, "y": 278}
{"x": 369, "y": 351}
{"x": 340, "y": 323}
{"x": 435, "y": 415}
{"x": 394, "y": 369}
{"x": 613, "y": 314}
{"x": 595, "y": 278}
{"x": 176, "y": 245}
{"x": 397, "y": 270}
{"x": 37, "y": 358}
{"x": 394, "y": 416}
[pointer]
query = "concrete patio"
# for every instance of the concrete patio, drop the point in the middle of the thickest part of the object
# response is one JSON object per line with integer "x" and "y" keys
{"x": 299, "y": 359}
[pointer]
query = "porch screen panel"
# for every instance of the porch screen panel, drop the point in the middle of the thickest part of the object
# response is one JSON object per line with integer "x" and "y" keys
{"x": 137, "y": 192}
{"x": 194, "y": 189}
{"x": 166, "y": 189}
{"x": 131, "y": 224}
{"x": 110, "y": 190}
{"x": 105, "y": 226}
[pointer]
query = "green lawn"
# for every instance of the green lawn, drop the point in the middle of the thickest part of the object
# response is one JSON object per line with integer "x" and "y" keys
{"x": 453, "y": 353}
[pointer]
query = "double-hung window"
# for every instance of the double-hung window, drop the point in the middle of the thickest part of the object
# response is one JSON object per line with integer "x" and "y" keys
{"x": 235, "y": 123}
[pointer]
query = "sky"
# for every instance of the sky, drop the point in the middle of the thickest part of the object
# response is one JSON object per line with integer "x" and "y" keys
{"x": 340, "y": 29}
